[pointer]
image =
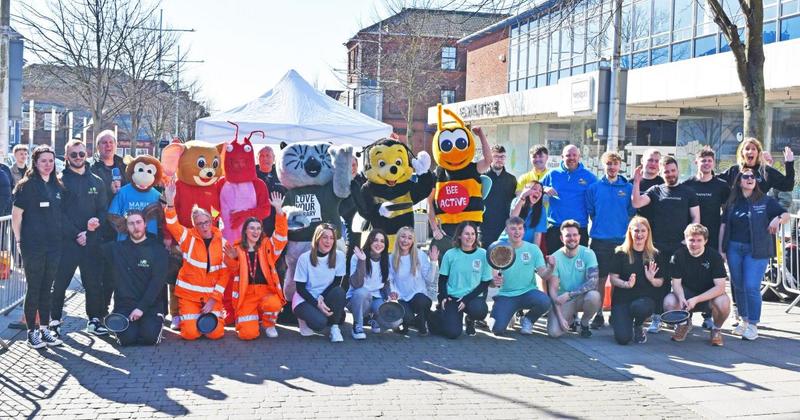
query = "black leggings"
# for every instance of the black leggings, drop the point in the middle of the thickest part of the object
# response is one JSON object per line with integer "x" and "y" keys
{"x": 40, "y": 272}
{"x": 449, "y": 321}
{"x": 625, "y": 316}
{"x": 314, "y": 318}
{"x": 144, "y": 331}
{"x": 419, "y": 305}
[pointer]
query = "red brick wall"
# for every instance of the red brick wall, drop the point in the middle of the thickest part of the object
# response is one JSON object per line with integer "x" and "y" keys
{"x": 486, "y": 74}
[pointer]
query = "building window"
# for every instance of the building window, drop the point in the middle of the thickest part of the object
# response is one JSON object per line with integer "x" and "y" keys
{"x": 681, "y": 51}
{"x": 769, "y": 32}
{"x": 448, "y": 96}
{"x": 790, "y": 28}
{"x": 705, "y": 46}
{"x": 448, "y": 58}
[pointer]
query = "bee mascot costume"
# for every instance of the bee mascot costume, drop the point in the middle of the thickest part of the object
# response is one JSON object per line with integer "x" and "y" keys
{"x": 317, "y": 177}
{"x": 395, "y": 182}
{"x": 460, "y": 188}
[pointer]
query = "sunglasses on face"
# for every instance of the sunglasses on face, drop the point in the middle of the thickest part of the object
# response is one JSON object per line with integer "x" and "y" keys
{"x": 75, "y": 155}
{"x": 748, "y": 177}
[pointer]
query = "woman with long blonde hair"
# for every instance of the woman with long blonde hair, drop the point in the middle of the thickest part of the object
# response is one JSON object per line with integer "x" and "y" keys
{"x": 750, "y": 154}
{"x": 318, "y": 300}
{"x": 411, "y": 272}
{"x": 635, "y": 273}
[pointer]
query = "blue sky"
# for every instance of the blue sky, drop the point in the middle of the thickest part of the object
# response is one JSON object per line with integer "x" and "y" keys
{"x": 248, "y": 45}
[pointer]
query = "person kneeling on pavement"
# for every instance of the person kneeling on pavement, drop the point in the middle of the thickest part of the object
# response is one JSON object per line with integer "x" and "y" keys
{"x": 139, "y": 268}
{"x": 636, "y": 274}
{"x": 256, "y": 292}
{"x": 573, "y": 284}
{"x": 369, "y": 283}
{"x": 518, "y": 285}
{"x": 698, "y": 283}
{"x": 463, "y": 278}
{"x": 203, "y": 276}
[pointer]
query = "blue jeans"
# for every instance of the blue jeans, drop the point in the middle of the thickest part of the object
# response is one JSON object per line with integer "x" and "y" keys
{"x": 363, "y": 304}
{"x": 535, "y": 301}
{"x": 746, "y": 275}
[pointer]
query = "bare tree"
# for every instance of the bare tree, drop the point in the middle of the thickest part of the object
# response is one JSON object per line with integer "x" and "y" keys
{"x": 143, "y": 67}
{"x": 158, "y": 113}
{"x": 83, "y": 41}
{"x": 731, "y": 16}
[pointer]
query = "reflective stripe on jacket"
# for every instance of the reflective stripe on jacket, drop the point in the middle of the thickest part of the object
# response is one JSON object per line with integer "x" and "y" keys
{"x": 194, "y": 282}
{"x": 268, "y": 253}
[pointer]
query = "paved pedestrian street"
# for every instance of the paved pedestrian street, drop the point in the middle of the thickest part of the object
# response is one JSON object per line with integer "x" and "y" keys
{"x": 395, "y": 376}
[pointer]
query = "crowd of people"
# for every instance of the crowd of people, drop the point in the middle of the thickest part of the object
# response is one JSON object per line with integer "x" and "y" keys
{"x": 662, "y": 244}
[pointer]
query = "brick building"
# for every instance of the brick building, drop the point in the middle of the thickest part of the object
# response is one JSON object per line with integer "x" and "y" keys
{"x": 412, "y": 54}
{"x": 51, "y": 96}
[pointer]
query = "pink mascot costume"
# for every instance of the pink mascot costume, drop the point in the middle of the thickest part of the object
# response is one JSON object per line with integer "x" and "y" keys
{"x": 243, "y": 195}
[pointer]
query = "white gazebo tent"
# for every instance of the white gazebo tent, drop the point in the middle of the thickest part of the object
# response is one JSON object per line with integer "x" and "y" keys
{"x": 294, "y": 111}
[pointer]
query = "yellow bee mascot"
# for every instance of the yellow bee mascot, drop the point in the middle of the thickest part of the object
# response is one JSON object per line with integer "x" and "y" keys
{"x": 460, "y": 187}
{"x": 395, "y": 182}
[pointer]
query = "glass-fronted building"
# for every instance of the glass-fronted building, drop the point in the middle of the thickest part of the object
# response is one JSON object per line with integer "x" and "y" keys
{"x": 683, "y": 91}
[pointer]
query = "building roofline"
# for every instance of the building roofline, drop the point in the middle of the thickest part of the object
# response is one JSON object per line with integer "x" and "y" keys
{"x": 501, "y": 25}
{"x": 372, "y": 29}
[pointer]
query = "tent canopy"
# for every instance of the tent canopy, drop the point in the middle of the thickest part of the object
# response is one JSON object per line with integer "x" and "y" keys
{"x": 294, "y": 111}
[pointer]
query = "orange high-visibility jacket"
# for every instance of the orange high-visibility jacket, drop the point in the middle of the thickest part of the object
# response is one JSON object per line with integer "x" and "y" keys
{"x": 268, "y": 254}
{"x": 194, "y": 282}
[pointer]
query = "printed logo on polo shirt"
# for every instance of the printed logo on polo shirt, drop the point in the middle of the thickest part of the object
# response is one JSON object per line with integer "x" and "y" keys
{"x": 476, "y": 265}
{"x": 761, "y": 208}
{"x": 144, "y": 264}
{"x": 58, "y": 195}
{"x": 706, "y": 264}
{"x": 621, "y": 193}
{"x": 526, "y": 257}
{"x": 579, "y": 264}
{"x": 92, "y": 191}
{"x": 582, "y": 181}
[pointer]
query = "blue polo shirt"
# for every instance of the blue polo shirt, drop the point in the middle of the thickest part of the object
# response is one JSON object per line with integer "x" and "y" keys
{"x": 571, "y": 187}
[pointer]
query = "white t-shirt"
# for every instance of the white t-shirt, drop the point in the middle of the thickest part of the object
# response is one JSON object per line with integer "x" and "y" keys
{"x": 372, "y": 282}
{"x": 404, "y": 284}
{"x": 318, "y": 278}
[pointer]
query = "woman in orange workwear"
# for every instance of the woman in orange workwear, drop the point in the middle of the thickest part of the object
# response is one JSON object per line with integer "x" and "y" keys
{"x": 203, "y": 276}
{"x": 256, "y": 289}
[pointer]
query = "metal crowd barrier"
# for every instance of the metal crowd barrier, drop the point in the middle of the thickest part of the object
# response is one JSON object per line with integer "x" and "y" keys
{"x": 788, "y": 258}
{"x": 12, "y": 277}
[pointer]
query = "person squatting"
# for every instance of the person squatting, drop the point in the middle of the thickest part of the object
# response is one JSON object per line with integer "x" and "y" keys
{"x": 132, "y": 229}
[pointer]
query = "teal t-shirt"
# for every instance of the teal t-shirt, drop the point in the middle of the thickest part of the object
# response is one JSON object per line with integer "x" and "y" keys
{"x": 464, "y": 271}
{"x": 571, "y": 272}
{"x": 521, "y": 276}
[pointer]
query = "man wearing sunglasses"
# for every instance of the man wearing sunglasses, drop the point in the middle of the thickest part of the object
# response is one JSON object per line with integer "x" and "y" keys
{"x": 85, "y": 209}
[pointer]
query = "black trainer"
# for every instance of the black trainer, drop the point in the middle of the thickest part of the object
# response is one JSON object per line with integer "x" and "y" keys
{"x": 470, "y": 327}
{"x": 585, "y": 331}
{"x": 639, "y": 334}
{"x": 49, "y": 339}
{"x": 597, "y": 322}
{"x": 35, "y": 339}
{"x": 422, "y": 325}
{"x": 55, "y": 328}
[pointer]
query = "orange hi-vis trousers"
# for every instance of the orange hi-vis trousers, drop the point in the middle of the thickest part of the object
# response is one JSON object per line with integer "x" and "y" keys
{"x": 190, "y": 311}
{"x": 259, "y": 304}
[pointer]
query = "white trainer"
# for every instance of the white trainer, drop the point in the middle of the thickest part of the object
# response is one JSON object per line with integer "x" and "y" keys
{"x": 336, "y": 334}
{"x": 526, "y": 326}
{"x": 304, "y": 330}
{"x": 271, "y": 332}
{"x": 751, "y": 333}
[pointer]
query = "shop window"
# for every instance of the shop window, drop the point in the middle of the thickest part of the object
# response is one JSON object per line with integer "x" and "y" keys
{"x": 790, "y": 28}
{"x": 656, "y": 133}
{"x": 785, "y": 129}
{"x": 705, "y": 46}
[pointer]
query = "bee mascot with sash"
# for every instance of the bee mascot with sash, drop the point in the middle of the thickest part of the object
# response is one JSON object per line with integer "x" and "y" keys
{"x": 460, "y": 188}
